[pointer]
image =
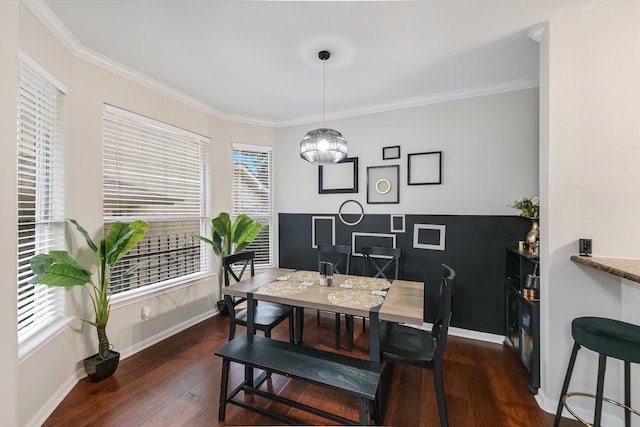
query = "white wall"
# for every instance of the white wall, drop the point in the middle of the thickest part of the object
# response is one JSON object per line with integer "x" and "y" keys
{"x": 34, "y": 385}
{"x": 8, "y": 253}
{"x": 489, "y": 146}
{"x": 590, "y": 106}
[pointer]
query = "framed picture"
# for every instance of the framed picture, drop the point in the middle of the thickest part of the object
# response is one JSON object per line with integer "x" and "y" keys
{"x": 424, "y": 168}
{"x": 383, "y": 184}
{"x": 341, "y": 177}
{"x": 390, "y": 153}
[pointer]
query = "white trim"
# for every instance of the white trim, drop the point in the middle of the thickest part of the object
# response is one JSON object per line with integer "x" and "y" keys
{"x": 156, "y": 124}
{"x": 44, "y": 13}
{"x": 42, "y": 337}
{"x": 43, "y": 72}
{"x": 251, "y": 147}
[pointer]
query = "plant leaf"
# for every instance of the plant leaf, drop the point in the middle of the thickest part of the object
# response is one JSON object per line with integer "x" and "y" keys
{"x": 82, "y": 231}
{"x": 58, "y": 268}
{"x": 122, "y": 237}
{"x": 249, "y": 234}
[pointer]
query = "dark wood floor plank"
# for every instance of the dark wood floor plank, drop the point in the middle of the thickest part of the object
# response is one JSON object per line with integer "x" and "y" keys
{"x": 177, "y": 383}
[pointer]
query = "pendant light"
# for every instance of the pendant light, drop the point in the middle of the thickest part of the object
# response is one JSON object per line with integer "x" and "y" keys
{"x": 323, "y": 146}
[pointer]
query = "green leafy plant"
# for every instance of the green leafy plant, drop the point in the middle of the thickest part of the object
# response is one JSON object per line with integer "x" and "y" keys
{"x": 229, "y": 238}
{"x": 59, "y": 268}
{"x": 529, "y": 206}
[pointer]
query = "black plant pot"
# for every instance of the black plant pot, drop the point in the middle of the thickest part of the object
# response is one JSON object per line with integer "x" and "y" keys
{"x": 99, "y": 369}
{"x": 222, "y": 308}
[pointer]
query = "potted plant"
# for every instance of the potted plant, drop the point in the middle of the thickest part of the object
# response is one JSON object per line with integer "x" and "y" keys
{"x": 229, "y": 238}
{"x": 59, "y": 268}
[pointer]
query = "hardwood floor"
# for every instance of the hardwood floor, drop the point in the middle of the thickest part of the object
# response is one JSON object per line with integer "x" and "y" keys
{"x": 177, "y": 383}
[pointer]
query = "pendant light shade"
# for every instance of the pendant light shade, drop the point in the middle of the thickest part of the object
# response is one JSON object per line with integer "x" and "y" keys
{"x": 323, "y": 146}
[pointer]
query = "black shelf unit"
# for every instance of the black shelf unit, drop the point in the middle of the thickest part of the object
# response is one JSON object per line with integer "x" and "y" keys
{"x": 522, "y": 315}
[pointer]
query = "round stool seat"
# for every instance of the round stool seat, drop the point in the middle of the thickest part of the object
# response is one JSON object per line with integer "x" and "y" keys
{"x": 610, "y": 337}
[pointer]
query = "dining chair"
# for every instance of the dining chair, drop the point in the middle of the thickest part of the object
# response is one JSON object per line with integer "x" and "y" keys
{"x": 381, "y": 258}
{"x": 340, "y": 257}
{"x": 384, "y": 260}
{"x": 405, "y": 345}
{"x": 267, "y": 315}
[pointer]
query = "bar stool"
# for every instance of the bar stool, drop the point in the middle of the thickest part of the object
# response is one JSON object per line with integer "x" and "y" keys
{"x": 608, "y": 338}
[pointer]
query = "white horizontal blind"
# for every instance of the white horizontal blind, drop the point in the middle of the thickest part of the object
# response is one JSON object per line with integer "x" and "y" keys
{"x": 40, "y": 195}
{"x": 156, "y": 172}
{"x": 252, "y": 195}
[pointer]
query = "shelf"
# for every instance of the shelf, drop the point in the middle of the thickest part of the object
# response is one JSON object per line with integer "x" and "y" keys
{"x": 522, "y": 320}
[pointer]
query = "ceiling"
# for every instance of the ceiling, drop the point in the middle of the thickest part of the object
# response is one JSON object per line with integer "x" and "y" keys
{"x": 257, "y": 61}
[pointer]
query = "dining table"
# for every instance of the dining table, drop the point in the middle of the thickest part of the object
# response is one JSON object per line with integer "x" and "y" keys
{"x": 398, "y": 301}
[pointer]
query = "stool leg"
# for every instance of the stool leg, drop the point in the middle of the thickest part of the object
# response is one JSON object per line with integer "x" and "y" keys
{"x": 602, "y": 365}
{"x": 627, "y": 393}
{"x": 565, "y": 386}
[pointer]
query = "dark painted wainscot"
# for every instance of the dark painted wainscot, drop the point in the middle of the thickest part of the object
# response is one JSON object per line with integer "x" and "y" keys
{"x": 472, "y": 245}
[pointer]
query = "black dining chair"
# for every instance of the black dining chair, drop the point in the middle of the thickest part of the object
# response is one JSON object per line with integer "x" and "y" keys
{"x": 384, "y": 261}
{"x": 405, "y": 345}
{"x": 340, "y": 257}
{"x": 267, "y": 315}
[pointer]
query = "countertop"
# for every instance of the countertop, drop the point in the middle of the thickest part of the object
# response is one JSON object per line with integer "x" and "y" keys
{"x": 628, "y": 268}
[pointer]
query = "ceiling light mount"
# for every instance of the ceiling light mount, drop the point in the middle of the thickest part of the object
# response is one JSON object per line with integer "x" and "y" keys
{"x": 323, "y": 146}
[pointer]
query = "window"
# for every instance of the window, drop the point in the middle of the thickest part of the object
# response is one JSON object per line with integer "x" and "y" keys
{"x": 40, "y": 192}
{"x": 252, "y": 195}
{"x": 155, "y": 172}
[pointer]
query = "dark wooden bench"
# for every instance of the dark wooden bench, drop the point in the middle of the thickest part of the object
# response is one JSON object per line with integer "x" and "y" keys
{"x": 346, "y": 374}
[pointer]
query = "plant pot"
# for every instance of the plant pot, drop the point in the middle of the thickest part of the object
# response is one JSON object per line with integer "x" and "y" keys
{"x": 99, "y": 369}
{"x": 222, "y": 308}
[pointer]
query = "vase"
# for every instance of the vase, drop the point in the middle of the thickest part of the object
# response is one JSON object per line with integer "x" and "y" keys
{"x": 534, "y": 234}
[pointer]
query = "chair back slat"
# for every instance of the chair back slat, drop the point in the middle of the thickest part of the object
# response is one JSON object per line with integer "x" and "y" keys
{"x": 338, "y": 255}
{"x": 229, "y": 262}
{"x": 382, "y": 259}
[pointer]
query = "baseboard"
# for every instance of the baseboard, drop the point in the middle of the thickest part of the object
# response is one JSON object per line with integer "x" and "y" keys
{"x": 47, "y": 409}
{"x": 141, "y": 345}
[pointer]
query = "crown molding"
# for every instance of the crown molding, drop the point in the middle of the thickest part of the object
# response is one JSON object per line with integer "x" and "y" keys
{"x": 448, "y": 96}
{"x": 43, "y": 12}
{"x": 536, "y": 32}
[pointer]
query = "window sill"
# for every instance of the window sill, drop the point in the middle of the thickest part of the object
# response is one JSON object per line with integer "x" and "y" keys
{"x": 135, "y": 295}
{"x": 39, "y": 339}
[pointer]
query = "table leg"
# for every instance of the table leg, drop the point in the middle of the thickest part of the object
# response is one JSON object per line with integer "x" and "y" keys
{"x": 299, "y": 327}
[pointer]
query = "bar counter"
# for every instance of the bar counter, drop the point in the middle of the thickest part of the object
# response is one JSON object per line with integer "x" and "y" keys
{"x": 627, "y": 268}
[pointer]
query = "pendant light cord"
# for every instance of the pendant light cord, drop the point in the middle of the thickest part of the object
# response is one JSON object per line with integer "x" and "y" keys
{"x": 324, "y": 87}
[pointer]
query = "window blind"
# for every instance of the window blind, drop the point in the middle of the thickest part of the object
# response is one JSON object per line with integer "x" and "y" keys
{"x": 40, "y": 193}
{"x": 156, "y": 172}
{"x": 252, "y": 195}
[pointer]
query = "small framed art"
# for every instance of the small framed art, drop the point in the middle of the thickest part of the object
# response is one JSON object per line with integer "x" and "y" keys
{"x": 383, "y": 184}
{"x": 390, "y": 153}
{"x": 424, "y": 168}
{"x": 341, "y": 177}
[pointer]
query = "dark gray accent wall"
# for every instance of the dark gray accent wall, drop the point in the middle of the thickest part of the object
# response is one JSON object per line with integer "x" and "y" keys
{"x": 474, "y": 248}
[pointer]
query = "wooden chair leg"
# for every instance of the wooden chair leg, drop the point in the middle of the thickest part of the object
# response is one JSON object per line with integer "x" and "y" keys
{"x": 224, "y": 384}
{"x": 232, "y": 329}
{"x": 442, "y": 406}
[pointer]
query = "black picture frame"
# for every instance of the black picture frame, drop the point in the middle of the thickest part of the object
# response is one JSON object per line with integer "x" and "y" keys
{"x": 390, "y": 153}
{"x": 424, "y": 168}
{"x": 345, "y": 181}
{"x": 383, "y": 184}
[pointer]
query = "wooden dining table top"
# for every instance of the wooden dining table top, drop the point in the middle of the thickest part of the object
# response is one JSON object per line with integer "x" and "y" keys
{"x": 403, "y": 302}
